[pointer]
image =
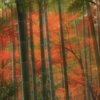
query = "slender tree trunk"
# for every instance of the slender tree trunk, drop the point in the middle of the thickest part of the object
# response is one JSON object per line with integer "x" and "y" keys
{"x": 61, "y": 67}
{"x": 32, "y": 56}
{"x": 49, "y": 54}
{"x": 13, "y": 60}
{"x": 85, "y": 58}
{"x": 13, "y": 66}
{"x": 78, "y": 50}
{"x": 90, "y": 69}
{"x": 94, "y": 40}
{"x": 77, "y": 36}
{"x": 63, "y": 52}
{"x": 42, "y": 52}
{"x": 23, "y": 49}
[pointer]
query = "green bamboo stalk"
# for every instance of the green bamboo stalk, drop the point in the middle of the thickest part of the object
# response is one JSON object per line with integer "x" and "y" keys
{"x": 61, "y": 67}
{"x": 94, "y": 40}
{"x": 32, "y": 56}
{"x": 49, "y": 54}
{"x": 13, "y": 60}
{"x": 63, "y": 52}
{"x": 78, "y": 51}
{"x": 85, "y": 57}
{"x": 76, "y": 31}
{"x": 21, "y": 16}
{"x": 42, "y": 52}
{"x": 13, "y": 52}
{"x": 13, "y": 66}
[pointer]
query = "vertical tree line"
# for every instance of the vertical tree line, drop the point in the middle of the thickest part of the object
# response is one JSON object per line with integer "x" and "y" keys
{"x": 21, "y": 17}
{"x": 52, "y": 91}
{"x": 63, "y": 52}
{"x": 40, "y": 4}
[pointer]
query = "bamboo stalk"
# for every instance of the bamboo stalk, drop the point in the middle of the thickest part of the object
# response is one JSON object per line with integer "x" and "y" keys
{"x": 52, "y": 91}
{"x": 63, "y": 52}
{"x": 85, "y": 57}
{"x": 32, "y": 55}
{"x": 21, "y": 16}
{"x": 42, "y": 52}
{"x": 94, "y": 40}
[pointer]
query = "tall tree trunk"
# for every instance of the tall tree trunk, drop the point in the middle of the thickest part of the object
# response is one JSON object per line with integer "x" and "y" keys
{"x": 13, "y": 60}
{"x": 32, "y": 55}
{"x": 85, "y": 58}
{"x": 76, "y": 31}
{"x": 42, "y": 51}
{"x": 61, "y": 66}
{"x": 63, "y": 52}
{"x": 49, "y": 54}
{"x": 90, "y": 69}
{"x": 94, "y": 40}
{"x": 21, "y": 16}
{"x": 79, "y": 51}
{"x": 13, "y": 67}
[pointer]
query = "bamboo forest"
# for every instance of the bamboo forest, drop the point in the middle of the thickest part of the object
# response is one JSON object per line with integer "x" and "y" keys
{"x": 49, "y": 49}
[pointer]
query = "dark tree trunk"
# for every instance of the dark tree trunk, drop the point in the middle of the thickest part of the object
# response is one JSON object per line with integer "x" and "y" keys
{"x": 63, "y": 52}
{"x": 22, "y": 29}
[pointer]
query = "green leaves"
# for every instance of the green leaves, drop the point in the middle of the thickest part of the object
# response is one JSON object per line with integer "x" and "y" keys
{"x": 6, "y": 91}
{"x": 76, "y": 5}
{"x": 23, "y": 5}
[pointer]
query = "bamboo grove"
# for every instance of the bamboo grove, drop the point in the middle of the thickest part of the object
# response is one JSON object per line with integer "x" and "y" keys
{"x": 50, "y": 50}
